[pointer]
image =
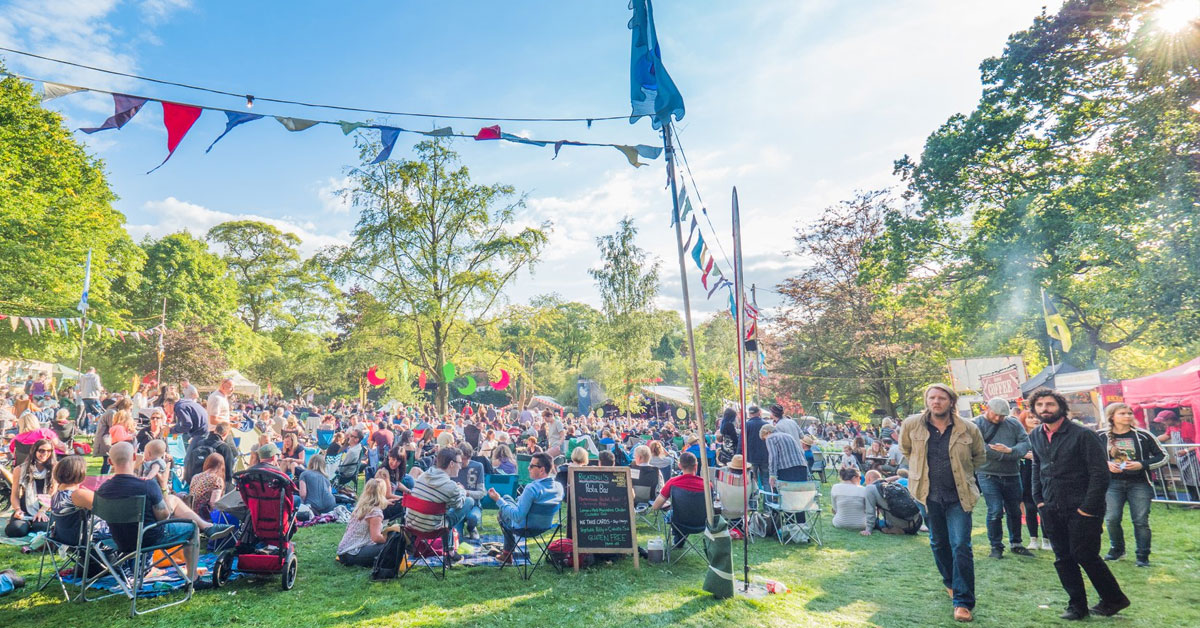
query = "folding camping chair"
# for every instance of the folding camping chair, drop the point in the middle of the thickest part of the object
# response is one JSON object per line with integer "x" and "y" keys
{"x": 130, "y": 565}
{"x": 325, "y": 439}
{"x": 792, "y": 502}
{"x": 70, "y": 553}
{"x": 413, "y": 536}
{"x": 552, "y": 510}
{"x": 346, "y": 473}
{"x": 503, "y": 483}
{"x": 645, "y": 481}
{"x": 687, "y": 517}
{"x": 523, "y": 471}
{"x": 734, "y": 501}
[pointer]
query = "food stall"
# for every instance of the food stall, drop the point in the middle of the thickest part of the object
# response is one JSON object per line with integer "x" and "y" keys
{"x": 1175, "y": 389}
{"x": 1082, "y": 390}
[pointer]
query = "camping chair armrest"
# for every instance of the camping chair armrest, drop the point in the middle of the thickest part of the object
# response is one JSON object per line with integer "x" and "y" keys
{"x": 163, "y": 522}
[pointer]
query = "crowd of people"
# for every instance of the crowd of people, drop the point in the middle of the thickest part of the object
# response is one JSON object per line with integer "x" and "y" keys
{"x": 1036, "y": 472}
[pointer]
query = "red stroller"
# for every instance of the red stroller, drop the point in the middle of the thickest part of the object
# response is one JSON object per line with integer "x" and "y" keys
{"x": 264, "y": 542}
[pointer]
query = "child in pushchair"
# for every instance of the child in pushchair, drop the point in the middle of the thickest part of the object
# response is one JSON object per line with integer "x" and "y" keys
{"x": 264, "y": 541}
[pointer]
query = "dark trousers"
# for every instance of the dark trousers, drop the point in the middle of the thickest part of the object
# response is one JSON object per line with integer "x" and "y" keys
{"x": 1076, "y": 542}
{"x": 1137, "y": 493}
{"x": 798, "y": 473}
{"x": 1003, "y": 496}
{"x": 950, "y": 539}
{"x": 1031, "y": 511}
{"x": 365, "y": 556}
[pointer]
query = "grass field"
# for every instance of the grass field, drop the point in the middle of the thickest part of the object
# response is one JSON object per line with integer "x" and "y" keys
{"x": 851, "y": 581}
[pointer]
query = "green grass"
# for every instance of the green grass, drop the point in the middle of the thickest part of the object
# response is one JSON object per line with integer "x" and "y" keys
{"x": 852, "y": 581}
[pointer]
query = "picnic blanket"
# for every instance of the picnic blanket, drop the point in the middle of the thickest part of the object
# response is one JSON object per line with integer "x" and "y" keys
{"x": 22, "y": 541}
{"x": 159, "y": 581}
{"x": 479, "y": 556}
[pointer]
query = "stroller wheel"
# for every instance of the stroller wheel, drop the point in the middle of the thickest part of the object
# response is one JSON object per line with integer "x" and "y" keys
{"x": 222, "y": 569}
{"x": 289, "y": 572}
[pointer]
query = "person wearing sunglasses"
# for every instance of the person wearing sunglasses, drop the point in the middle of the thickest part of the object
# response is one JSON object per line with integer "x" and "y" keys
{"x": 517, "y": 514}
{"x": 34, "y": 477}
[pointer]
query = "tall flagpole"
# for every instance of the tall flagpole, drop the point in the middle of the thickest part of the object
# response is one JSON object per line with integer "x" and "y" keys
{"x": 83, "y": 308}
{"x": 669, "y": 150}
{"x": 740, "y": 306}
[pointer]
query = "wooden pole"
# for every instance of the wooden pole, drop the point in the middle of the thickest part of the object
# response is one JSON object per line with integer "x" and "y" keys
{"x": 669, "y": 150}
{"x": 740, "y": 306}
{"x": 162, "y": 329}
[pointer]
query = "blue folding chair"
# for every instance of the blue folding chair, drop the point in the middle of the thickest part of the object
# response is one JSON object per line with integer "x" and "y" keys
{"x": 551, "y": 510}
{"x": 325, "y": 439}
{"x": 503, "y": 483}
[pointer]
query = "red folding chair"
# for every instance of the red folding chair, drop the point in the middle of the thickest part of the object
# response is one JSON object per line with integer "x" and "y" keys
{"x": 415, "y": 539}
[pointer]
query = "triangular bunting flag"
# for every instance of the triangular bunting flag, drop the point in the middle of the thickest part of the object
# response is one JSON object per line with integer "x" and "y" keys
{"x": 521, "y": 140}
{"x": 14, "y": 321}
{"x": 488, "y": 133}
{"x": 387, "y": 137}
{"x": 233, "y": 118}
{"x": 442, "y": 132}
{"x": 691, "y": 232}
{"x": 707, "y": 269}
{"x": 179, "y": 120}
{"x": 50, "y": 322}
{"x": 28, "y": 325}
{"x": 350, "y": 127}
{"x": 50, "y": 91}
{"x": 698, "y": 250}
{"x": 125, "y": 108}
{"x": 296, "y": 124}
{"x": 649, "y": 152}
{"x": 631, "y": 154}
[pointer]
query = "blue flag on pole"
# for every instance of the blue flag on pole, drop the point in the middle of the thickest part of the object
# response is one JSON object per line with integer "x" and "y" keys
{"x": 87, "y": 285}
{"x": 651, "y": 90}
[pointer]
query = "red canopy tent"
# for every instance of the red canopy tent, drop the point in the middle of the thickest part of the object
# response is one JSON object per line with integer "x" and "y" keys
{"x": 1178, "y": 387}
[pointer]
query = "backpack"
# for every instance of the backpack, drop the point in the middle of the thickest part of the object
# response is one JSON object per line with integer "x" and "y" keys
{"x": 391, "y": 561}
{"x": 900, "y": 502}
{"x": 559, "y": 553}
{"x": 196, "y": 458}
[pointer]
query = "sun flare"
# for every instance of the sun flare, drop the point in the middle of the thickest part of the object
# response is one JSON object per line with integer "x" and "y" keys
{"x": 1177, "y": 15}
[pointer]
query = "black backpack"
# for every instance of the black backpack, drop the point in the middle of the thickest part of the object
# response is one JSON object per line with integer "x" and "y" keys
{"x": 389, "y": 561}
{"x": 899, "y": 502}
{"x": 196, "y": 458}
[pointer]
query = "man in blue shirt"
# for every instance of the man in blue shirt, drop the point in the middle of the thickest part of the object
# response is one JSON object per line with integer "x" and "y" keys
{"x": 517, "y": 514}
{"x": 191, "y": 419}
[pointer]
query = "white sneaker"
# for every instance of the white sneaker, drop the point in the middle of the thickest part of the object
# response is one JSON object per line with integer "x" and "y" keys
{"x": 1046, "y": 545}
{"x": 1033, "y": 543}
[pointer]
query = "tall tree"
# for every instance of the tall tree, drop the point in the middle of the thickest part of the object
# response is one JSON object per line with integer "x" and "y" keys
{"x": 848, "y": 331}
{"x": 432, "y": 246}
{"x": 55, "y": 205}
{"x": 628, "y": 283}
{"x": 1077, "y": 172}
{"x": 266, "y": 264}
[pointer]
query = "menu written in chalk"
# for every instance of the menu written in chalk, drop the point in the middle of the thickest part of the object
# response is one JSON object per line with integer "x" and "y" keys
{"x": 602, "y": 512}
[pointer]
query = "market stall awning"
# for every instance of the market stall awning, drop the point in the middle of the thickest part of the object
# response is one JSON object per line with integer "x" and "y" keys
{"x": 1046, "y": 378}
{"x": 542, "y": 401}
{"x": 1179, "y": 386}
{"x": 678, "y": 395}
{"x": 241, "y": 385}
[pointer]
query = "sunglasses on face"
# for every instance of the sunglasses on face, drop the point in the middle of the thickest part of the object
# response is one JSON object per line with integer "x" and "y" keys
{"x": 45, "y": 451}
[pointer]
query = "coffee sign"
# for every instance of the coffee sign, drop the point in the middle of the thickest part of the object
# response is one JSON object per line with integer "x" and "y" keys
{"x": 1005, "y": 383}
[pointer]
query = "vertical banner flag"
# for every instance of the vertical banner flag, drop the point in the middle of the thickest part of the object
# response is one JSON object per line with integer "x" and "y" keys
{"x": 125, "y": 107}
{"x": 1056, "y": 325}
{"x": 651, "y": 90}
{"x": 233, "y": 118}
{"x": 179, "y": 120}
{"x": 87, "y": 284}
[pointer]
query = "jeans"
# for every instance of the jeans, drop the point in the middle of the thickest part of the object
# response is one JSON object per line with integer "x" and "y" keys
{"x": 472, "y": 518}
{"x": 1138, "y": 494}
{"x": 1076, "y": 542}
{"x": 1003, "y": 495}
{"x": 91, "y": 410}
{"x": 950, "y": 539}
{"x": 455, "y": 516}
{"x": 798, "y": 473}
{"x": 365, "y": 557}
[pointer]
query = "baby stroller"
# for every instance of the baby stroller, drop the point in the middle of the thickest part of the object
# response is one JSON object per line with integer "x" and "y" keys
{"x": 264, "y": 542}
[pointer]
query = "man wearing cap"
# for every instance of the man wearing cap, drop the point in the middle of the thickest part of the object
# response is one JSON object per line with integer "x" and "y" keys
{"x": 943, "y": 452}
{"x": 268, "y": 457}
{"x": 1000, "y": 477}
{"x": 786, "y": 425}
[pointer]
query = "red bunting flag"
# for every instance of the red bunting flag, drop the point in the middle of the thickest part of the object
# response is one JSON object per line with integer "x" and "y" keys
{"x": 488, "y": 133}
{"x": 179, "y": 120}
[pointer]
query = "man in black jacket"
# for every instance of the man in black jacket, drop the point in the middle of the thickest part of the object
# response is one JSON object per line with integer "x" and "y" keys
{"x": 1070, "y": 479}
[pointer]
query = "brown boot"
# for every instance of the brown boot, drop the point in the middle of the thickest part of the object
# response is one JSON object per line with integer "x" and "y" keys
{"x": 962, "y": 613}
{"x": 950, "y": 592}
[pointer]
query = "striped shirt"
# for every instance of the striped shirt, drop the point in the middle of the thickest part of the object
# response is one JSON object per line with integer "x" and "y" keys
{"x": 435, "y": 486}
{"x": 784, "y": 452}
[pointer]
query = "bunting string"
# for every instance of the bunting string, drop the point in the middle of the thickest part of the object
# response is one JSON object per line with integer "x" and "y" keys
{"x": 37, "y": 325}
{"x": 179, "y": 117}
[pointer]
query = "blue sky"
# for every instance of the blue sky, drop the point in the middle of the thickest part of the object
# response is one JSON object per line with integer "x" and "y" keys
{"x": 798, "y": 103}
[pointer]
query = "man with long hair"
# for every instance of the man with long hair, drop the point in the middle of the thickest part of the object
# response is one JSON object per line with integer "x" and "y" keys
{"x": 943, "y": 453}
{"x": 1070, "y": 479}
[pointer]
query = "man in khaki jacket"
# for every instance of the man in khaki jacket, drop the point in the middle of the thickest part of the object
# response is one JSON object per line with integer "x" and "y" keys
{"x": 943, "y": 451}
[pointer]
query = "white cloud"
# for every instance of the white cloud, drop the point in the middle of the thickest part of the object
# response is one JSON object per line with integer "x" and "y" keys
{"x": 175, "y": 215}
{"x": 332, "y": 200}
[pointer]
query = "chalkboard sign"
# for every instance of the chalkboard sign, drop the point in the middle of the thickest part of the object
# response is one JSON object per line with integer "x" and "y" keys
{"x": 602, "y": 516}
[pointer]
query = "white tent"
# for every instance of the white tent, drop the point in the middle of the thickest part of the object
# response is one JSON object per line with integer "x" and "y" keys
{"x": 241, "y": 385}
{"x": 677, "y": 395}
